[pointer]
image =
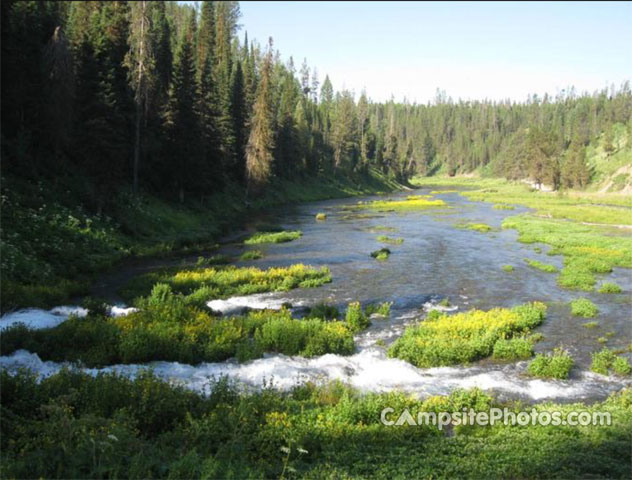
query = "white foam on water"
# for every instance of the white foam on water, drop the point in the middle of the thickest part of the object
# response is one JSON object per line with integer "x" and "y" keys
{"x": 38, "y": 319}
{"x": 258, "y": 301}
{"x": 429, "y": 306}
{"x": 368, "y": 370}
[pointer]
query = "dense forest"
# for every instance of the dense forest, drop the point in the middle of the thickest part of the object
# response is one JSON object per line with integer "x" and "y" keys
{"x": 175, "y": 100}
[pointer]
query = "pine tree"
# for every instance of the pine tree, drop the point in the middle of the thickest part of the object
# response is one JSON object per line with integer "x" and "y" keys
{"x": 141, "y": 64}
{"x": 261, "y": 140}
{"x": 239, "y": 116}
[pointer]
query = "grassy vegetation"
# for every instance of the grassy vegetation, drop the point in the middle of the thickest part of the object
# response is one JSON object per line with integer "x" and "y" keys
{"x": 390, "y": 240}
{"x": 609, "y": 287}
{"x": 203, "y": 284}
{"x": 587, "y": 249}
{"x": 508, "y": 268}
{"x": 557, "y": 365}
{"x": 273, "y": 237}
{"x": 251, "y": 255}
{"x": 321, "y": 216}
{"x": 518, "y": 348}
{"x": 541, "y": 266}
{"x": 462, "y": 338}
{"x": 54, "y": 241}
{"x": 383, "y": 309}
{"x": 477, "y": 227}
{"x": 606, "y": 360}
{"x": 111, "y": 426}
{"x": 590, "y": 325}
{"x": 382, "y": 228}
{"x": 412, "y": 203}
{"x": 501, "y": 206}
{"x": 582, "y": 307}
{"x": 168, "y": 328}
{"x": 381, "y": 254}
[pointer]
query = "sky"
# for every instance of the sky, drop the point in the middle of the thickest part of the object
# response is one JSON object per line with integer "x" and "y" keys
{"x": 486, "y": 50}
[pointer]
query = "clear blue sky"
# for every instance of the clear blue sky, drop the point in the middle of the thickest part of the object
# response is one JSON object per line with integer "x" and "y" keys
{"x": 472, "y": 50}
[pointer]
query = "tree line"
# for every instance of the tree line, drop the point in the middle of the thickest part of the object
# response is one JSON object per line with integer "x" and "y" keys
{"x": 171, "y": 98}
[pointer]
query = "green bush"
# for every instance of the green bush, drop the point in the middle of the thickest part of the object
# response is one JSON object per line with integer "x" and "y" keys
{"x": 251, "y": 255}
{"x": 383, "y": 308}
{"x": 621, "y": 366}
{"x": 324, "y": 312}
{"x": 518, "y": 348}
{"x": 381, "y": 254}
{"x": 273, "y": 237}
{"x": 582, "y": 307}
{"x": 541, "y": 266}
{"x": 556, "y": 365}
{"x": 442, "y": 339}
{"x": 355, "y": 318}
{"x": 606, "y": 359}
{"x": 609, "y": 287}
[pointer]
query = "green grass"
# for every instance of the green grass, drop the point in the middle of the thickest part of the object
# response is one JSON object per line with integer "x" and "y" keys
{"x": 609, "y": 287}
{"x": 321, "y": 216}
{"x": 606, "y": 360}
{"x": 203, "y": 284}
{"x": 541, "y": 266}
{"x": 501, "y": 206}
{"x": 582, "y": 307}
{"x": 554, "y": 365}
{"x": 111, "y": 426}
{"x": 390, "y": 240}
{"x": 251, "y": 255}
{"x": 382, "y": 228}
{"x": 443, "y": 340}
{"x": 273, "y": 237}
{"x": 477, "y": 227}
{"x": 168, "y": 328}
{"x": 508, "y": 268}
{"x": 381, "y": 254}
{"x": 412, "y": 203}
{"x": 518, "y": 348}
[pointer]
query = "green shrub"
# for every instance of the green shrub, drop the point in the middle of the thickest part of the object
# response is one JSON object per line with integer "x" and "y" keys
{"x": 582, "y": 307}
{"x": 383, "y": 308}
{"x": 602, "y": 361}
{"x": 609, "y": 287}
{"x": 518, "y": 348}
{"x": 381, "y": 254}
{"x": 556, "y": 365}
{"x": 324, "y": 312}
{"x": 390, "y": 240}
{"x": 356, "y": 319}
{"x": 621, "y": 366}
{"x": 541, "y": 266}
{"x": 273, "y": 237}
{"x": 251, "y": 255}
{"x": 442, "y": 339}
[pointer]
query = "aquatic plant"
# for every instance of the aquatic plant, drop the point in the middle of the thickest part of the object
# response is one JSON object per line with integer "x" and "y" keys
{"x": 381, "y": 254}
{"x": 557, "y": 365}
{"x": 590, "y": 325}
{"x": 321, "y": 216}
{"x": 412, "y": 202}
{"x": 605, "y": 360}
{"x": 251, "y": 255}
{"x": 518, "y": 348}
{"x": 477, "y": 227}
{"x": 464, "y": 337}
{"x": 541, "y": 266}
{"x": 582, "y": 307}
{"x": 219, "y": 282}
{"x": 323, "y": 311}
{"x": 508, "y": 268}
{"x": 273, "y": 237}
{"x": 390, "y": 240}
{"x": 383, "y": 309}
{"x": 609, "y": 287}
{"x": 355, "y": 318}
{"x": 502, "y": 206}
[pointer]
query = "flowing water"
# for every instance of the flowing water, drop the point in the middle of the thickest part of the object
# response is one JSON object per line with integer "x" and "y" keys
{"x": 435, "y": 261}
